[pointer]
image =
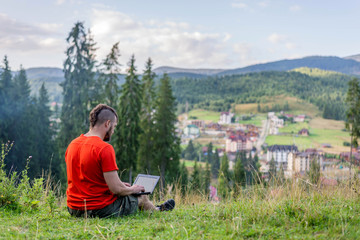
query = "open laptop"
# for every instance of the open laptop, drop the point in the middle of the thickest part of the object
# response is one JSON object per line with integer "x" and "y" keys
{"x": 148, "y": 181}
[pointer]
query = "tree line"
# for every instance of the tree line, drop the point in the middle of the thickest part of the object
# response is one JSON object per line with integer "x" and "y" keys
{"x": 145, "y": 139}
{"x": 218, "y": 93}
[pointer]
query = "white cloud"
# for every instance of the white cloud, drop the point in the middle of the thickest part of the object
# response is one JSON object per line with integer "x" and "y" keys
{"x": 263, "y": 4}
{"x": 290, "y": 45}
{"x": 60, "y": 2}
{"x": 295, "y": 8}
{"x": 167, "y": 43}
{"x": 277, "y": 38}
{"x": 240, "y": 5}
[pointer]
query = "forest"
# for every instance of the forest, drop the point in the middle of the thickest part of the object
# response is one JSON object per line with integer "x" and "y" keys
{"x": 326, "y": 91}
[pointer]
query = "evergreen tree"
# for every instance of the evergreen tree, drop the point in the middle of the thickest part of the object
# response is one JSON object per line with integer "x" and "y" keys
{"x": 128, "y": 129}
{"x": 209, "y": 155}
{"x": 353, "y": 114}
{"x": 224, "y": 177}
{"x": 272, "y": 169}
{"x": 207, "y": 178}
{"x": 239, "y": 171}
{"x": 183, "y": 177}
{"x": 78, "y": 87}
{"x": 167, "y": 143}
{"x": 190, "y": 153}
{"x": 196, "y": 178}
{"x": 109, "y": 76}
{"x": 215, "y": 165}
{"x": 147, "y": 148}
{"x": 314, "y": 172}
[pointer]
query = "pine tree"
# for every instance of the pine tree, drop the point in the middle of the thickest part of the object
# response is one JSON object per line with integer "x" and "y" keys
{"x": 196, "y": 178}
{"x": 209, "y": 155}
{"x": 314, "y": 171}
{"x": 239, "y": 171}
{"x": 215, "y": 165}
{"x": 207, "y": 178}
{"x": 183, "y": 177}
{"x": 272, "y": 169}
{"x": 147, "y": 148}
{"x": 167, "y": 143}
{"x": 78, "y": 87}
{"x": 190, "y": 153}
{"x": 109, "y": 76}
{"x": 224, "y": 176}
{"x": 353, "y": 115}
{"x": 128, "y": 129}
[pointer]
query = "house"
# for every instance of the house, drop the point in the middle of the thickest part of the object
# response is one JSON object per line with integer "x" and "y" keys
{"x": 355, "y": 156}
{"x": 225, "y": 117}
{"x": 304, "y": 132}
{"x": 299, "y": 162}
{"x": 280, "y": 154}
{"x": 299, "y": 118}
{"x": 198, "y": 123}
{"x": 191, "y": 131}
{"x": 237, "y": 143}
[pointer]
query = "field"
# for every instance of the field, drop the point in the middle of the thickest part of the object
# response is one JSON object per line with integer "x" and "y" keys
{"x": 297, "y": 106}
{"x": 322, "y": 131}
{"x": 286, "y": 212}
{"x": 204, "y": 115}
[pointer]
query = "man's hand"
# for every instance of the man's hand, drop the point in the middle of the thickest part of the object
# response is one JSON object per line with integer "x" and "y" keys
{"x": 138, "y": 188}
{"x": 127, "y": 184}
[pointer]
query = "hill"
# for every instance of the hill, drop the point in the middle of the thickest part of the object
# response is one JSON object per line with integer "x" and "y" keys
{"x": 220, "y": 93}
{"x": 354, "y": 57}
{"x": 346, "y": 66}
{"x": 166, "y": 69}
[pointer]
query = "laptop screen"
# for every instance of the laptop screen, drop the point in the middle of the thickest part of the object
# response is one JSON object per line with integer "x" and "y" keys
{"x": 148, "y": 181}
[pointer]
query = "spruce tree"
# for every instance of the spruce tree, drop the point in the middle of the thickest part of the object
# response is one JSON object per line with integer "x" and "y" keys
{"x": 190, "y": 153}
{"x": 353, "y": 114}
{"x": 78, "y": 87}
{"x": 196, "y": 178}
{"x": 183, "y": 177}
{"x": 215, "y": 165}
{"x": 147, "y": 149}
{"x": 224, "y": 177}
{"x": 167, "y": 143}
{"x": 109, "y": 77}
{"x": 209, "y": 155}
{"x": 128, "y": 128}
{"x": 207, "y": 178}
{"x": 239, "y": 172}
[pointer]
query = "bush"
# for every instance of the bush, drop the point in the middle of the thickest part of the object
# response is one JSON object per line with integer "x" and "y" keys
{"x": 17, "y": 192}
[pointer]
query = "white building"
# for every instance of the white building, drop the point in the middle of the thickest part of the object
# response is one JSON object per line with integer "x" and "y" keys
{"x": 299, "y": 163}
{"x": 191, "y": 131}
{"x": 280, "y": 154}
{"x": 225, "y": 117}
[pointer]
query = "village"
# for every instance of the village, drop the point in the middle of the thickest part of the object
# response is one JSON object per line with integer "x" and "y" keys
{"x": 230, "y": 136}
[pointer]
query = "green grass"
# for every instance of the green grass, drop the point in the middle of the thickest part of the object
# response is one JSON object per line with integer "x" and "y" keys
{"x": 315, "y": 139}
{"x": 279, "y": 213}
{"x": 189, "y": 163}
{"x": 257, "y": 120}
{"x": 204, "y": 115}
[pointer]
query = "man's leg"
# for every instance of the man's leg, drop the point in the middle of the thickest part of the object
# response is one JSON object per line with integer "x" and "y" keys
{"x": 145, "y": 204}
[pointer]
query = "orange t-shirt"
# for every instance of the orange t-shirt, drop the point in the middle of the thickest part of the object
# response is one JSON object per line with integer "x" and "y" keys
{"x": 87, "y": 158}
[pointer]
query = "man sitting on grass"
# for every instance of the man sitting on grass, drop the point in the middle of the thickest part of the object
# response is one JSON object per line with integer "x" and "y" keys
{"x": 94, "y": 187}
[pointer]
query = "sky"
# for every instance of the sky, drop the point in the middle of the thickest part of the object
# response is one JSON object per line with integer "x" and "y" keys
{"x": 218, "y": 34}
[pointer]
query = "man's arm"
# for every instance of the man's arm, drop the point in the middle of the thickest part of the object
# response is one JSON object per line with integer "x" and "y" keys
{"x": 118, "y": 187}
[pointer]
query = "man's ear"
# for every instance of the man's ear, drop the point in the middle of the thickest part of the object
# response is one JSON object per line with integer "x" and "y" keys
{"x": 107, "y": 123}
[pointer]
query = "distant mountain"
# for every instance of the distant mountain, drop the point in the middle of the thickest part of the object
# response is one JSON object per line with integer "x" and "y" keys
{"x": 354, "y": 57}
{"x": 346, "y": 66}
{"x": 169, "y": 70}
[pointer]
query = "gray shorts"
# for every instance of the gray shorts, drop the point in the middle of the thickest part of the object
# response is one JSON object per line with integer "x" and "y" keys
{"x": 122, "y": 206}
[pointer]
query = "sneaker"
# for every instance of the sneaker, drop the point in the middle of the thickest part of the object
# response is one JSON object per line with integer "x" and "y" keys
{"x": 167, "y": 206}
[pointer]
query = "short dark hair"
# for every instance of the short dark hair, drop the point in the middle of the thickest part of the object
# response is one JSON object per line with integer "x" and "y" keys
{"x": 102, "y": 113}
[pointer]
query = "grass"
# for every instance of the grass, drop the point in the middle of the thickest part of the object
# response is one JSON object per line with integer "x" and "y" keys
{"x": 285, "y": 212}
{"x": 190, "y": 164}
{"x": 204, "y": 115}
{"x": 321, "y": 131}
{"x": 256, "y": 120}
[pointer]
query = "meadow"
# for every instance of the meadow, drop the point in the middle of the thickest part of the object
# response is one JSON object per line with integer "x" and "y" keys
{"x": 288, "y": 211}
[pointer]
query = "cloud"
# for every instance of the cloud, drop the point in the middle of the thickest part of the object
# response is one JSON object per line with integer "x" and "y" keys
{"x": 60, "y": 2}
{"x": 263, "y": 4}
{"x": 277, "y": 38}
{"x": 295, "y": 8}
{"x": 167, "y": 43}
{"x": 238, "y": 4}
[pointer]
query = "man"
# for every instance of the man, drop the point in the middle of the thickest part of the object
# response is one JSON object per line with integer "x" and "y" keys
{"x": 94, "y": 187}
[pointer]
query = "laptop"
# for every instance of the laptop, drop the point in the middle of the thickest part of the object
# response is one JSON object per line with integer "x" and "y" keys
{"x": 148, "y": 181}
